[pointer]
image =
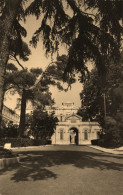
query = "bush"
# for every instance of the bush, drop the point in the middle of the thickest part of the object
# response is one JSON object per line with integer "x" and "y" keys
{"x": 23, "y": 142}
{"x": 110, "y": 140}
{"x": 10, "y": 130}
{"x": 49, "y": 142}
{"x": 39, "y": 142}
{"x": 113, "y": 133}
{"x": 95, "y": 142}
{"x": 42, "y": 125}
{"x": 5, "y": 153}
{"x": 17, "y": 142}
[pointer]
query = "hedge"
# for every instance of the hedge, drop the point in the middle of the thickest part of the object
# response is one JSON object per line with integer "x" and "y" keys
{"x": 23, "y": 142}
{"x": 39, "y": 142}
{"x": 5, "y": 153}
{"x": 95, "y": 142}
{"x": 17, "y": 142}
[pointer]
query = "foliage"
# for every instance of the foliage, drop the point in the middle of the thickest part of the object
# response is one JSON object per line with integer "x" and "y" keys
{"x": 92, "y": 98}
{"x": 39, "y": 142}
{"x": 56, "y": 71}
{"x": 34, "y": 89}
{"x": 88, "y": 36}
{"x": 22, "y": 142}
{"x": 5, "y": 153}
{"x": 95, "y": 142}
{"x": 17, "y": 142}
{"x": 17, "y": 46}
{"x": 95, "y": 87}
{"x": 89, "y": 29}
{"x": 112, "y": 135}
{"x": 10, "y": 130}
{"x": 22, "y": 81}
{"x": 42, "y": 125}
{"x": 15, "y": 51}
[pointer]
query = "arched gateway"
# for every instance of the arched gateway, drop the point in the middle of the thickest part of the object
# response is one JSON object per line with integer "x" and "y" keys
{"x": 71, "y": 129}
{"x": 73, "y": 132}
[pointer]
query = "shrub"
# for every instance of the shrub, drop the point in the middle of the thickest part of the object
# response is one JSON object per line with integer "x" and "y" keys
{"x": 95, "y": 142}
{"x": 17, "y": 142}
{"x": 10, "y": 130}
{"x": 39, "y": 142}
{"x": 49, "y": 142}
{"x": 23, "y": 142}
{"x": 113, "y": 134}
{"x": 42, "y": 125}
{"x": 5, "y": 153}
{"x": 111, "y": 140}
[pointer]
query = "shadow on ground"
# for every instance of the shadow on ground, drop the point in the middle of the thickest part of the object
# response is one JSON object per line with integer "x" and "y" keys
{"x": 35, "y": 165}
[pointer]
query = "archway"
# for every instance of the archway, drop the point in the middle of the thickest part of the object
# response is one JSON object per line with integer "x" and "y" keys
{"x": 73, "y": 135}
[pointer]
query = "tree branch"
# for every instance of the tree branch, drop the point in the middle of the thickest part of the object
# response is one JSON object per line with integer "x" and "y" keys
{"x": 8, "y": 88}
{"x": 11, "y": 58}
{"x": 18, "y": 62}
{"x": 37, "y": 81}
{"x": 88, "y": 14}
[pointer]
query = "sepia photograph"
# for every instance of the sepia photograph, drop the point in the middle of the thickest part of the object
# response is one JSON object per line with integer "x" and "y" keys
{"x": 61, "y": 97}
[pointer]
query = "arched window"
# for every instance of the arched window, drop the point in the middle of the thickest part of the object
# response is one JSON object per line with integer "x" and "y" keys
{"x": 85, "y": 135}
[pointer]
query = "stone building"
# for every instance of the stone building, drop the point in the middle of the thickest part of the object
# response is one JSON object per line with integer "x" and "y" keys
{"x": 71, "y": 129}
{"x": 9, "y": 115}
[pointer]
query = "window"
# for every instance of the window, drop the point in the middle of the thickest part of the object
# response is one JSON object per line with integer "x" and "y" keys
{"x": 85, "y": 135}
{"x": 61, "y": 118}
{"x": 61, "y": 134}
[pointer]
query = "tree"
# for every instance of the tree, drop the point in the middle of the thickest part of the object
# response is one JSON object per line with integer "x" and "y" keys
{"x": 20, "y": 82}
{"x": 35, "y": 90}
{"x": 38, "y": 93}
{"x": 79, "y": 30}
{"x": 22, "y": 51}
{"x": 41, "y": 124}
{"x": 102, "y": 101}
{"x": 92, "y": 97}
{"x": 18, "y": 48}
{"x": 95, "y": 87}
{"x": 9, "y": 10}
{"x": 89, "y": 37}
{"x": 55, "y": 71}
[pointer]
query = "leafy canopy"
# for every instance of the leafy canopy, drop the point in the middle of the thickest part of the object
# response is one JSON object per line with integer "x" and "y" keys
{"x": 41, "y": 124}
{"x": 90, "y": 29}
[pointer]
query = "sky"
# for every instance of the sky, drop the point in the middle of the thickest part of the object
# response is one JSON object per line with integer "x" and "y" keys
{"x": 39, "y": 59}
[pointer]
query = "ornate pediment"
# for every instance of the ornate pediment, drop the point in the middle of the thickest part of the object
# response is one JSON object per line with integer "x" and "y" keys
{"x": 73, "y": 118}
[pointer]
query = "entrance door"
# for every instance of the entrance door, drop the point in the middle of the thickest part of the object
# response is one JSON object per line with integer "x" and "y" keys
{"x": 73, "y": 136}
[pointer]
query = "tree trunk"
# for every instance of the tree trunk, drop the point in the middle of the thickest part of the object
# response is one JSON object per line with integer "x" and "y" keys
{"x": 23, "y": 114}
{"x": 6, "y": 22}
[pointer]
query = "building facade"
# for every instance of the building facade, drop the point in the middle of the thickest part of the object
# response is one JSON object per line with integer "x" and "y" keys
{"x": 71, "y": 129}
{"x": 9, "y": 115}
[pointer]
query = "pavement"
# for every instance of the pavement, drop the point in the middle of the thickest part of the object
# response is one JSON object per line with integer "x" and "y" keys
{"x": 63, "y": 170}
{"x": 111, "y": 151}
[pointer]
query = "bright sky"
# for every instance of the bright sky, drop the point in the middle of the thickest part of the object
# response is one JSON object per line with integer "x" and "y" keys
{"x": 39, "y": 59}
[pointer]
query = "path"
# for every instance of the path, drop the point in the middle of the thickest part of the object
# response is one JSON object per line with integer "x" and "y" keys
{"x": 64, "y": 170}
